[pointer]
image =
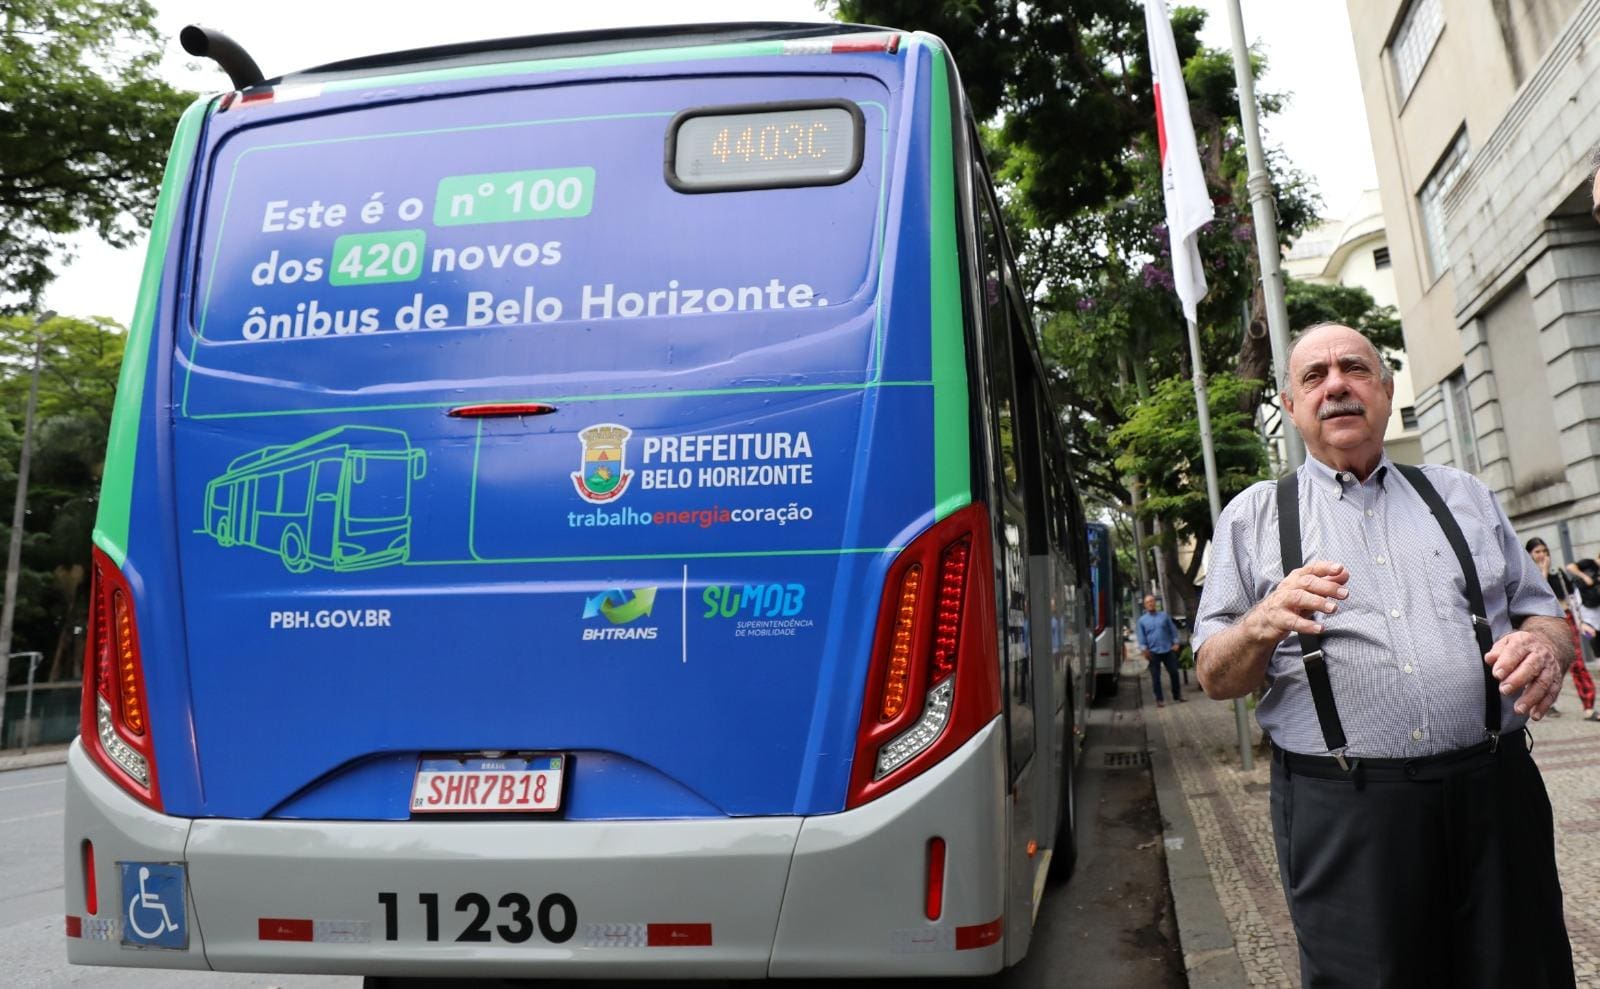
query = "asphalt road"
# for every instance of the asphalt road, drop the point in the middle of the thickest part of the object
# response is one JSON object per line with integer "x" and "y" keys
{"x": 1110, "y": 926}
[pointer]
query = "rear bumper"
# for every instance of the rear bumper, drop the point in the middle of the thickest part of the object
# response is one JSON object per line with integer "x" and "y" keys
{"x": 840, "y": 894}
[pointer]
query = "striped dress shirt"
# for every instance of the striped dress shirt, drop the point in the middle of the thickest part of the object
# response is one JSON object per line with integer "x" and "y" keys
{"x": 1401, "y": 655}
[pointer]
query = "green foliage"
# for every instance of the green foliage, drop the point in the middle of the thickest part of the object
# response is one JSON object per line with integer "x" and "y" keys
{"x": 1160, "y": 441}
{"x": 1063, "y": 95}
{"x": 84, "y": 131}
{"x": 78, "y": 367}
{"x": 1111, "y": 319}
{"x": 1310, "y": 303}
{"x": 1067, "y": 81}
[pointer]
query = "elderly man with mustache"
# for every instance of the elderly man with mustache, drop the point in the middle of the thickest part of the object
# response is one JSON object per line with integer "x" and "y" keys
{"x": 1404, "y": 640}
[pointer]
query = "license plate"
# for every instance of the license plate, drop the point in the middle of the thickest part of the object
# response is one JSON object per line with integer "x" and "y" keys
{"x": 510, "y": 784}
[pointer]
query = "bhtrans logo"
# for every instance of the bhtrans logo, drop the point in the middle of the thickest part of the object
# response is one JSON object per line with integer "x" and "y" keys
{"x": 601, "y": 476}
{"x": 620, "y": 608}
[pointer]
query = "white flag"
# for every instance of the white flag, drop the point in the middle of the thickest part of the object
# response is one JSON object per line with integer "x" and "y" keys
{"x": 1182, "y": 181}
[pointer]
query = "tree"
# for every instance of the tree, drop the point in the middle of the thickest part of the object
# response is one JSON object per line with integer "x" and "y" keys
{"x": 1112, "y": 306}
{"x": 77, "y": 386}
{"x": 1062, "y": 92}
{"x": 84, "y": 132}
{"x": 1064, "y": 81}
{"x": 1160, "y": 442}
{"x": 1312, "y": 302}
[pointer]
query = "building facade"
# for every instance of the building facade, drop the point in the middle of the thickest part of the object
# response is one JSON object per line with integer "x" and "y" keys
{"x": 1483, "y": 114}
{"x": 1353, "y": 251}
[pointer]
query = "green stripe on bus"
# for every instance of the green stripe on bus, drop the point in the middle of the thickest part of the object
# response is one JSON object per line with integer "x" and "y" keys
{"x": 952, "y": 471}
{"x": 727, "y": 555}
{"x": 116, "y": 486}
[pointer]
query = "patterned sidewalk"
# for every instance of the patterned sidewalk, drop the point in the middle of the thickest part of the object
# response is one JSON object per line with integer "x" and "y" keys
{"x": 1230, "y": 812}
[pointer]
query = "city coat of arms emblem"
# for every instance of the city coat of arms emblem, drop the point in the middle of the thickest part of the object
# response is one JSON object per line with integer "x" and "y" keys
{"x": 601, "y": 476}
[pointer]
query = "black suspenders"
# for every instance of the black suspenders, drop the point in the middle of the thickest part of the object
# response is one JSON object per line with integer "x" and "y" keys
{"x": 1311, "y": 645}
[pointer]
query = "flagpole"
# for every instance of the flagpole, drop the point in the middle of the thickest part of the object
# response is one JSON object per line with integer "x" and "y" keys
{"x": 1203, "y": 408}
{"x": 1189, "y": 208}
{"x": 1264, "y": 211}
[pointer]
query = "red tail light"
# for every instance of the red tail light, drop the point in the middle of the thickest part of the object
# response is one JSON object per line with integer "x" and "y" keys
{"x": 935, "y": 676}
{"x": 897, "y": 680}
{"x": 115, "y": 721}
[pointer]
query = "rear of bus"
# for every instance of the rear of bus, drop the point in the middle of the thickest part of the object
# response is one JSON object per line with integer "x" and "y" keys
{"x": 538, "y": 533}
{"x": 1105, "y": 617}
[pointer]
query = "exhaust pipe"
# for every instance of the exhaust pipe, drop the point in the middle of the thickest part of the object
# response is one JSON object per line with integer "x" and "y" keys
{"x": 234, "y": 60}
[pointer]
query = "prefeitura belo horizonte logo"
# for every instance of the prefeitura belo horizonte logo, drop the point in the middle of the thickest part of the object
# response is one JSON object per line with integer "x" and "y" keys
{"x": 601, "y": 476}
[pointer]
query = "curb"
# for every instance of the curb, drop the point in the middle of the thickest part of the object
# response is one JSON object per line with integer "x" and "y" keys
{"x": 1210, "y": 957}
{"x": 52, "y": 755}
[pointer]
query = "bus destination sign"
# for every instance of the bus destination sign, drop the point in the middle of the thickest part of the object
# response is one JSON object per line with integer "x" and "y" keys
{"x": 727, "y": 148}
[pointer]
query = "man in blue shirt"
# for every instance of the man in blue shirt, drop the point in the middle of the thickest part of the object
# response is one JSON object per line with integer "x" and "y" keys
{"x": 1158, "y": 639}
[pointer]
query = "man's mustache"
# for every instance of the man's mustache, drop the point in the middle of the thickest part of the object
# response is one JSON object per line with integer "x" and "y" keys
{"x": 1341, "y": 407}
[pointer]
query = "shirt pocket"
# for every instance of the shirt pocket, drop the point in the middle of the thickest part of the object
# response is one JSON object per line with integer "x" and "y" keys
{"x": 1447, "y": 584}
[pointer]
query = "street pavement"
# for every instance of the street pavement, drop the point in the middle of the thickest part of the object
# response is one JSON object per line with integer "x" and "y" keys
{"x": 1229, "y": 811}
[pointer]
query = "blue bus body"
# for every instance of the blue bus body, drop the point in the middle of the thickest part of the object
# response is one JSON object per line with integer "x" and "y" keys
{"x": 452, "y": 428}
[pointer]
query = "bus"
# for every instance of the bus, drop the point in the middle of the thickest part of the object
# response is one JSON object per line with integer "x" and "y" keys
{"x": 1105, "y": 611}
{"x": 737, "y": 625}
{"x": 340, "y": 499}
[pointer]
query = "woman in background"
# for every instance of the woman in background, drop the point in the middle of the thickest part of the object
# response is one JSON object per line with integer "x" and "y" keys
{"x": 1565, "y": 590}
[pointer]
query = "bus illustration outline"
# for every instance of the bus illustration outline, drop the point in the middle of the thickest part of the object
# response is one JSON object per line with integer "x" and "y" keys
{"x": 339, "y": 500}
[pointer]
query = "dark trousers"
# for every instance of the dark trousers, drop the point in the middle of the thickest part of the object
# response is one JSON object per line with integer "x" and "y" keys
{"x": 1430, "y": 873}
{"x": 1170, "y": 661}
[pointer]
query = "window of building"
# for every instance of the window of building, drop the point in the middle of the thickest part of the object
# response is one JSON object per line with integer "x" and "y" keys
{"x": 1458, "y": 415}
{"x": 1380, "y": 257}
{"x": 1408, "y": 416}
{"x": 1430, "y": 203}
{"x": 1413, "y": 42}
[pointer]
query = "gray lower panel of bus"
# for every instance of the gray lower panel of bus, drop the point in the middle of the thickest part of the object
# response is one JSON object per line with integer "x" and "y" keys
{"x": 833, "y": 895}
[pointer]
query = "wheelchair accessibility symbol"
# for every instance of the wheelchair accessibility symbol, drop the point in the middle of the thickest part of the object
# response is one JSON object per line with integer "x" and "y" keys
{"x": 153, "y": 905}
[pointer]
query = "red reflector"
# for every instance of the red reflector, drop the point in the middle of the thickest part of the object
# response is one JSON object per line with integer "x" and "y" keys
{"x": 679, "y": 935}
{"x": 74, "y": 927}
{"x": 91, "y": 899}
{"x": 494, "y": 410}
{"x": 259, "y": 96}
{"x": 935, "y": 905}
{"x": 279, "y": 929}
{"x": 978, "y": 935}
{"x": 870, "y": 43}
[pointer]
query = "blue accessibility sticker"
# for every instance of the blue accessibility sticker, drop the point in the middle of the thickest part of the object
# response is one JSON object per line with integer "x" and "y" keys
{"x": 152, "y": 905}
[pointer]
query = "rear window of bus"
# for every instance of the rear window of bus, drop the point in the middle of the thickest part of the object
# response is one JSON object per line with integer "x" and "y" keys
{"x": 535, "y": 233}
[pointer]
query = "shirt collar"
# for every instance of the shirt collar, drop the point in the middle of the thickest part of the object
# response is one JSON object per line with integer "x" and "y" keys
{"x": 1336, "y": 481}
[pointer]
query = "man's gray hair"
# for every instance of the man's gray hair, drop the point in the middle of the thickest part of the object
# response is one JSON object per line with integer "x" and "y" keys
{"x": 1385, "y": 372}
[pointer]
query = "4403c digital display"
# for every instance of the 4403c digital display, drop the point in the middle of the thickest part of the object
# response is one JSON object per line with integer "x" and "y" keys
{"x": 764, "y": 147}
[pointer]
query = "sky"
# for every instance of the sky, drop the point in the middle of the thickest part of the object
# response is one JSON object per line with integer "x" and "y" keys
{"x": 1307, "y": 43}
